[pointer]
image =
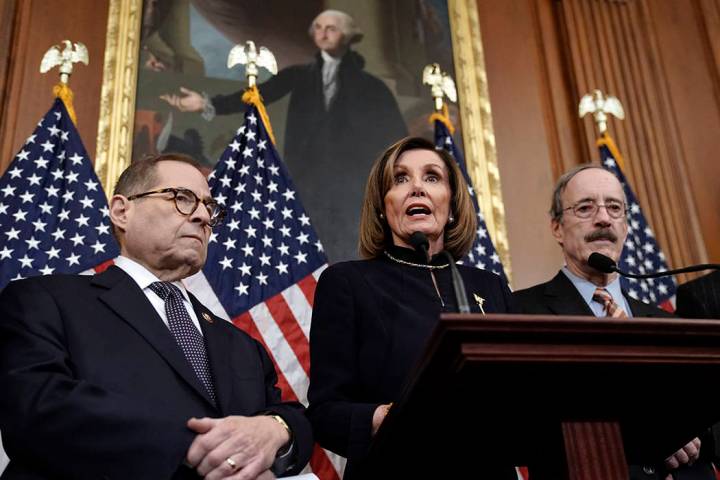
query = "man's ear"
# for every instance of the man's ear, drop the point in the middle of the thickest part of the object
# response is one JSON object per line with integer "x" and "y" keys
{"x": 557, "y": 232}
{"x": 120, "y": 211}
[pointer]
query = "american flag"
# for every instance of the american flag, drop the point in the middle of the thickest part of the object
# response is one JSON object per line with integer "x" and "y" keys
{"x": 641, "y": 253}
{"x": 54, "y": 215}
{"x": 264, "y": 261}
{"x": 482, "y": 254}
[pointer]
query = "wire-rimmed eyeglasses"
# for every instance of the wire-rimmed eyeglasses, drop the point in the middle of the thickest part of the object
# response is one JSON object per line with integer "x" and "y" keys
{"x": 186, "y": 202}
{"x": 588, "y": 208}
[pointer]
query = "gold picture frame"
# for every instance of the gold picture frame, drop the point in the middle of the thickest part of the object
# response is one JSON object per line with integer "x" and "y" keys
{"x": 115, "y": 125}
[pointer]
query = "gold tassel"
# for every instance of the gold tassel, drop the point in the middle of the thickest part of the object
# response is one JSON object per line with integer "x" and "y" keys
{"x": 251, "y": 96}
{"x": 607, "y": 141}
{"x": 63, "y": 92}
{"x": 444, "y": 117}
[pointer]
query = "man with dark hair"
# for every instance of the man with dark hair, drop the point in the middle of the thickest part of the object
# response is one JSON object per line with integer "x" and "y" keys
{"x": 339, "y": 119}
{"x": 125, "y": 374}
{"x": 589, "y": 214}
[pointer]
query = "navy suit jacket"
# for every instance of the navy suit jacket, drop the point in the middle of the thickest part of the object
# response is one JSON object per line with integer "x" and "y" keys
{"x": 95, "y": 386}
{"x": 700, "y": 298}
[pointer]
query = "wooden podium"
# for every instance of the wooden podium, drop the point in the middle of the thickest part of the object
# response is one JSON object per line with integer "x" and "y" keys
{"x": 583, "y": 393}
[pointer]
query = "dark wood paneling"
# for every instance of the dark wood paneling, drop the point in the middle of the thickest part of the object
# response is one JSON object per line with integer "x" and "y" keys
{"x": 38, "y": 25}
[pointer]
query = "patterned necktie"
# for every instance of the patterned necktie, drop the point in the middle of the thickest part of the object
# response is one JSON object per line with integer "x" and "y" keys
{"x": 612, "y": 309}
{"x": 185, "y": 332}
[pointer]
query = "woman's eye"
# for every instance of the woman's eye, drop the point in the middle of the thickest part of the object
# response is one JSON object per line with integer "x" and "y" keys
{"x": 400, "y": 178}
{"x": 432, "y": 178}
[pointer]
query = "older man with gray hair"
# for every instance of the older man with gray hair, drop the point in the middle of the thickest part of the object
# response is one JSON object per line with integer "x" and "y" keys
{"x": 339, "y": 118}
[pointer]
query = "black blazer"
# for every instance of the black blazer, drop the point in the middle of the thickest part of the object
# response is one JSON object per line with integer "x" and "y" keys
{"x": 95, "y": 386}
{"x": 371, "y": 320}
{"x": 560, "y": 297}
{"x": 700, "y": 298}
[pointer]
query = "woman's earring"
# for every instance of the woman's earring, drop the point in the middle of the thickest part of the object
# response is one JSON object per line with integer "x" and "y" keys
{"x": 451, "y": 219}
{"x": 382, "y": 215}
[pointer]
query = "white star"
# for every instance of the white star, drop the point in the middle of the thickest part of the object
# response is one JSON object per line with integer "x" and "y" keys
{"x": 229, "y": 243}
{"x": 648, "y": 247}
{"x": 481, "y": 232}
{"x": 226, "y": 262}
{"x": 53, "y": 253}
{"x": 254, "y": 214}
{"x": 236, "y": 206}
{"x": 274, "y": 169}
{"x": 68, "y": 196}
{"x": 213, "y": 238}
{"x": 480, "y": 249}
{"x": 105, "y": 211}
{"x": 39, "y": 225}
{"x": 41, "y": 162}
{"x": 8, "y": 191}
{"x": 285, "y": 230}
{"x": 289, "y": 195}
{"x": 82, "y": 220}
{"x": 240, "y": 130}
{"x": 252, "y": 119}
{"x": 233, "y": 225}
{"x": 272, "y": 187}
{"x": 300, "y": 257}
{"x": 240, "y": 188}
{"x": 57, "y": 174}
{"x": 73, "y": 259}
{"x": 76, "y": 159}
{"x": 3, "y": 209}
{"x": 250, "y": 135}
{"x": 32, "y": 243}
{"x": 235, "y": 146}
{"x": 64, "y": 214}
{"x": 77, "y": 239}
{"x": 247, "y": 250}
{"x": 52, "y": 191}
{"x": 87, "y": 202}
{"x": 281, "y": 267}
{"x": 260, "y": 163}
{"x": 54, "y": 131}
{"x": 64, "y": 136}
{"x": 5, "y": 252}
{"x": 262, "y": 145}
{"x": 258, "y": 179}
{"x": 230, "y": 162}
{"x": 58, "y": 234}
{"x": 268, "y": 223}
{"x": 494, "y": 257}
{"x": 634, "y": 209}
{"x": 244, "y": 269}
{"x": 610, "y": 163}
{"x": 15, "y": 172}
{"x": 319, "y": 246}
{"x": 34, "y": 179}
{"x": 23, "y": 155}
{"x": 47, "y": 146}
{"x": 302, "y": 238}
{"x": 98, "y": 247}
{"x": 242, "y": 289}
{"x": 46, "y": 270}
{"x": 221, "y": 199}
{"x": 19, "y": 215}
{"x": 250, "y": 231}
{"x": 247, "y": 152}
{"x": 304, "y": 219}
{"x": 72, "y": 177}
{"x": 30, "y": 139}
{"x": 244, "y": 170}
{"x": 27, "y": 197}
{"x": 286, "y": 213}
{"x": 264, "y": 260}
{"x": 262, "y": 279}
{"x": 284, "y": 249}
{"x": 91, "y": 185}
{"x": 102, "y": 229}
{"x": 270, "y": 205}
{"x": 267, "y": 241}
{"x": 225, "y": 180}
{"x": 13, "y": 234}
{"x": 257, "y": 196}
{"x": 26, "y": 261}
{"x": 61, "y": 155}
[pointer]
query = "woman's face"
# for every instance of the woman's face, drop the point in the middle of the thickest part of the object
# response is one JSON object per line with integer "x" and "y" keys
{"x": 419, "y": 199}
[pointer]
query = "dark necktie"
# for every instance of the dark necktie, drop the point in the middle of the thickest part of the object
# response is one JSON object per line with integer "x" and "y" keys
{"x": 612, "y": 309}
{"x": 185, "y": 332}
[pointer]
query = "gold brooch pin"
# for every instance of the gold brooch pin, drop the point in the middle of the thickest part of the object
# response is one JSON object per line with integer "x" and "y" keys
{"x": 480, "y": 301}
{"x": 207, "y": 317}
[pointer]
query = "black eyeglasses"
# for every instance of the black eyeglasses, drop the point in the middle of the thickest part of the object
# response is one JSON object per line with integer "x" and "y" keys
{"x": 588, "y": 208}
{"x": 186, "y": 202}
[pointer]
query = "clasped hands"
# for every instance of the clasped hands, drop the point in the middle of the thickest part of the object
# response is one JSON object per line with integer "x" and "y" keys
{"x": 235, "y": 447}
{"x": 686, "y": 455}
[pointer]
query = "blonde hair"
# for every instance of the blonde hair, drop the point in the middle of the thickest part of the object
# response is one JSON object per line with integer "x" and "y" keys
{"x": 375, "y": 234}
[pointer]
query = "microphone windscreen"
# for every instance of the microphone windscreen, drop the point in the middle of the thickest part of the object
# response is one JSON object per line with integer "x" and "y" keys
{"x": 419, "y": 241}
{"x": 602, "y": 263}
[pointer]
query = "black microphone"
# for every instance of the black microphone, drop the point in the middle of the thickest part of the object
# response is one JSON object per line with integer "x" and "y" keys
{"x": 605, "y": 264}
{"x": 420, "y": 243}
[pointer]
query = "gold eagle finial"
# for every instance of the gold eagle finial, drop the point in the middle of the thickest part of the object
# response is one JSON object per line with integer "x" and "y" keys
{"x": 441, "y": 84}
{"x": 65, "y": 58}
{"x": 252, "y": 58}
{"x": 600, "y": 106}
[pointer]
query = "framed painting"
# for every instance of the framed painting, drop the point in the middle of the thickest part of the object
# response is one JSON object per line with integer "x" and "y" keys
{"x": 166, "y": 88}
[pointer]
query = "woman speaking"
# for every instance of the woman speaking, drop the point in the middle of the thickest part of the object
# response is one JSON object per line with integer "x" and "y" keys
{"x": 372, "y": 318}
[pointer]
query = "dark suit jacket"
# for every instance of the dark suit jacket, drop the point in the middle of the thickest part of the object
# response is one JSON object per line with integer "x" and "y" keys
{"x": 371, "y": 320}
{"x": 700, "y": 298}
{"x": 560, "y": 297}
{"x": 95, "y": 386}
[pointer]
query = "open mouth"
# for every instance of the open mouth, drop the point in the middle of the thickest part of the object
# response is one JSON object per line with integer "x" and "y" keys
{"x": 417, "y": 210}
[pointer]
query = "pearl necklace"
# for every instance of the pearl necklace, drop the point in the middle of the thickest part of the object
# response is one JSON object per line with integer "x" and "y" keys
{"x": 417, "y": 265}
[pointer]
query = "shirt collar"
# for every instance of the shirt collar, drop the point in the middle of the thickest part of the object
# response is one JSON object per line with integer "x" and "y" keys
{"x": 142, "y": 276}
{"x": 329, "y": 59}
{"x": 587, "y": 288}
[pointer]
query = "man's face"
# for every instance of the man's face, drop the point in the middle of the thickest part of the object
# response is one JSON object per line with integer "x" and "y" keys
{"x": 328, "y": 36}
{"x": 601, "y": 233}
{"x": 156, "y": 234}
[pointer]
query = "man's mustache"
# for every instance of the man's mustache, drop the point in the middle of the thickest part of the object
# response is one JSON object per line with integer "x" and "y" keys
{"x": 601, "y": 234}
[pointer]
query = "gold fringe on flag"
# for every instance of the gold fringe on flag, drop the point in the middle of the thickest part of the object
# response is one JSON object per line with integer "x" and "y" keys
{"x": 444, "y": 117}
{"x": 252, "y": 97}
{"x": 63, "y": 92}
{"x": 607, "y": 141}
